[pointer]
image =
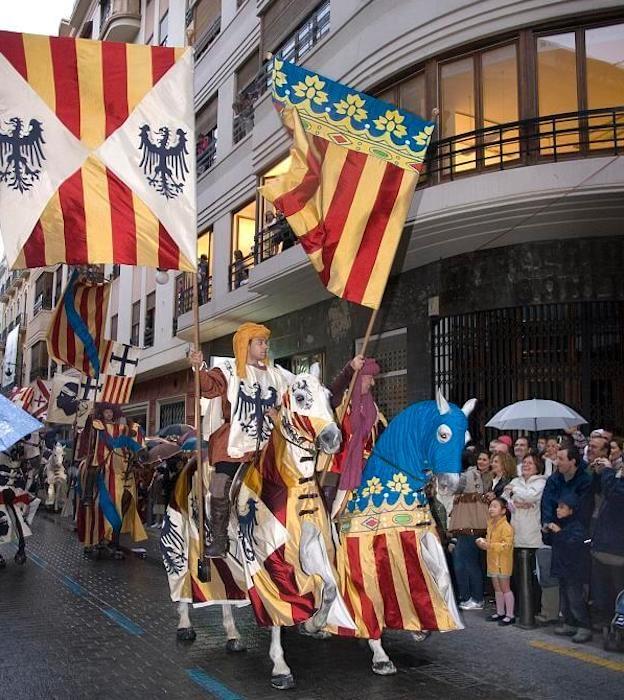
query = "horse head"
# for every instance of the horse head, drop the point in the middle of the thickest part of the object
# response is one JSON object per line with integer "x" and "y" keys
{"x": 306, "y": 415}
{"x": 444, "y": 439}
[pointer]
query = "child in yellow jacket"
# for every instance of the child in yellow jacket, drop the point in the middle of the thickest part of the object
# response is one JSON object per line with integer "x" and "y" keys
{"x": 499, "y": 546}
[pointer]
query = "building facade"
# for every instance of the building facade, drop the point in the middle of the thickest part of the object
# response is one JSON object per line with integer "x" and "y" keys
{"x": 507, "y": 284}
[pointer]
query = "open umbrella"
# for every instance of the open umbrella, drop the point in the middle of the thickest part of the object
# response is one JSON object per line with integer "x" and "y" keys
{"x": 535, "y": 415}
{"x": 14, "y": 423}
{"x": 174, "y": 430}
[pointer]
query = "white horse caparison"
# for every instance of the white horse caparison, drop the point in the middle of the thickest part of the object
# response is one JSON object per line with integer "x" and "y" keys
{"x": 56, "y": 478}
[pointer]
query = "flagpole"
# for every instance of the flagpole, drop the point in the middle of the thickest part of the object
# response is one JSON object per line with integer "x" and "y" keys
{"x": 203, "y": 567}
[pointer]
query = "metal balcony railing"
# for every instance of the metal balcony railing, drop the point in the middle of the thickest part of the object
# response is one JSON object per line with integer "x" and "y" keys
{"x": 203, "y": 43}
{"x": 526, "y": 142}
{"x": 42, "y": 303}
{"x": 184, "y": 296}
{"x": 206, "y": 157}
{"x": 273, "y": 239}
{"x": 239, "y": 272}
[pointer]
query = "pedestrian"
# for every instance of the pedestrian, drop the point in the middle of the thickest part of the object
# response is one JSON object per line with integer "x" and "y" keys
{"x": 504, "y": 444}
{"x": 498, "y": 544}
{"x": 524, "y": 494}
{"x": 503, "y": 471}
{"x": 484, "y": 466}
{"x": 568, "y": 478}
{"x": 202, "y": 278}
{"x": 549, "y": 457}
{"x": 608, "y": 540}
{"x": 521, "y": 450}
{"x": 468, "y": 522}
{"x": 616, "y": 452}
{"x": 571, "y": 565}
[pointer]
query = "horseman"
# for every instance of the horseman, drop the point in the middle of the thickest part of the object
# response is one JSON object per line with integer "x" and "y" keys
{"x": 362, "y": 424}
{"x": 108, "y": 505}
{"x": 244, "y": 396}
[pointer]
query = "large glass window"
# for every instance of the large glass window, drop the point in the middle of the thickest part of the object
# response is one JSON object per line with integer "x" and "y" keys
{"x": 204, "y": 268}
{"x": 499, "y": 99}
{"x": 243, "y": 247}
{"x": 557, "y": 92}
{"x": 274, "y": 233}
{"x": 412, "y": 95}
{"x": 458, "y": 113}
{"x": 604, "y": 70}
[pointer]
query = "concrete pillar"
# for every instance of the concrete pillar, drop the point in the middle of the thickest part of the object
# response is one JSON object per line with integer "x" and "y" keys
{"x": 225, "y": 117}
{"x": 228, "y": 10}
{"x": 222, "y": 253}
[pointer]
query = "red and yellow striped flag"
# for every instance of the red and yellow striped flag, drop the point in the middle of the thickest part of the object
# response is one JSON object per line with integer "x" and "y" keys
{"x": 76, "y": 331}
{"x": 355, "y": 164}
{"x": 97, "y": 142}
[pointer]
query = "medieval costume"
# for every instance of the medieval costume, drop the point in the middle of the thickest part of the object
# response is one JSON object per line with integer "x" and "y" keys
{"x": 108, "y": 502}
{"x": 236, "y": 436}
{"x": 362, "y": 424}
{"x": 17, "y": 506}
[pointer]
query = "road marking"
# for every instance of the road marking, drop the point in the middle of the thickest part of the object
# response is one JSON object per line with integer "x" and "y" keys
{"x": 72, "y": 585}
{"x": 611, "y": 664}
{"x": 123, "y": 621}
{"x": 212, "y": 685}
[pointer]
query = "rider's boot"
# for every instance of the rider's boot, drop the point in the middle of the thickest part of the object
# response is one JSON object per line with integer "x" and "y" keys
{"x": 219, "y": 516}
{"x": 90, "y": 481}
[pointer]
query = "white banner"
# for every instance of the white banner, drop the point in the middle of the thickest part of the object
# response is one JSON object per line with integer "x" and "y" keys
{"x": 9, "y": 364}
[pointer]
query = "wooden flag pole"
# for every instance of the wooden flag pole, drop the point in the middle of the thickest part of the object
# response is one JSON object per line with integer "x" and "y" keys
{"x": 342, "y": 410}
{"x": 203, "y": 567}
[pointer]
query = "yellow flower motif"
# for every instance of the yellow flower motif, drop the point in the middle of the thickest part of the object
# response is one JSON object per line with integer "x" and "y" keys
{"x": 392, "y": 122}
{"x": 373, "y": 486}
{"x": 399, "y": 483}
{"x": 352, "y": 107}
{"x": 279, "y": 78}
{"x": 422, "y": 138}
{"x": 312, "y": 88}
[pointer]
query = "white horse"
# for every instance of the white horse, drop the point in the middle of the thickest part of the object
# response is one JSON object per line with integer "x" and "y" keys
{"x": 56, "y": 479}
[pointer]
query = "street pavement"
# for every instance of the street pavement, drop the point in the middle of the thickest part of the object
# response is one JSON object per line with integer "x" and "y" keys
{"x": 77, "y": 628}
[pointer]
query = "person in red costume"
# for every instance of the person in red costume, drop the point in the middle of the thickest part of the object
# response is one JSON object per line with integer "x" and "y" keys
{"x": 361, "y": 426}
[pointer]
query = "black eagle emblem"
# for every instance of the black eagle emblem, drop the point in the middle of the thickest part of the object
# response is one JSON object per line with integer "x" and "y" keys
{"x": 251, "y": 408}
{"x": 247, "y": 525}
{"x": 164, "y": 164}
{"x": 21, "y": 154}
{"x": 172, "y": 547}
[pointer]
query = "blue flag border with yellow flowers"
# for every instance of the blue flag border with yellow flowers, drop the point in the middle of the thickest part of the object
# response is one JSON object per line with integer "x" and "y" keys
{"x": 350, "y": 118}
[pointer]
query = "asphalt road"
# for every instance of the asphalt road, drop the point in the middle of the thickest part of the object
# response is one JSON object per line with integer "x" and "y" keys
{"x": 76, "y": 628}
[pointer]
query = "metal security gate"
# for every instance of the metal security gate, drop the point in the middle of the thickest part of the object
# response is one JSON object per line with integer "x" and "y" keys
{"x": 573, "y": 353}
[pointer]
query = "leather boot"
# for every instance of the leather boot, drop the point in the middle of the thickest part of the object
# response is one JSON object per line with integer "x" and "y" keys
{"x": 90, "y": 483}
{"x": 220, "y": 485}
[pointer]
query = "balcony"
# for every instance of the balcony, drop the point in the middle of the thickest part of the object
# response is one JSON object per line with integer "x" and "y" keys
{"x": 239, "y": 272}
{"x": 184, "y": 296}
{"x": 206, "y": 155}
{"x": 4, "y": 293}
{"x": 207, "y": 38}
{"x": 549, "y": 139}
{"x": 273, "y": 239}
{"x": 39, "y": 371}
{"x": 42, "y": 303}
{"x": 120, "y": 20}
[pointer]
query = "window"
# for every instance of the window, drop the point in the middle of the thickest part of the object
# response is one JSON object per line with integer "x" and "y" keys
{"x": 274, "y": 233}
{"x": 58, "y": 284}
{"x": 149, "y": 21}
{"x": 390, "y": 350}
{"x": 150, "y": 314}
{"x": 248, "y": 90}
{"x": 138, "y": 414}
{"x": 39, "y": 360}
{"x": 116, "y": 271}
{"x": 183, "y": 300}
{"x": 113, "y": 327}
{"x": 43, "y": 293}
{"x": 204, "y": 271}
{"x": 205, "y": 18}
{"x": 163, "y": 29}
{"x": 136, "y": 323}
{"x": 243, "y": 248}
{"x": 284, "y": 14}
{"x": 206, "y": 129}
{"x": 477, "y": 92}
{"x": 170, "y": 413}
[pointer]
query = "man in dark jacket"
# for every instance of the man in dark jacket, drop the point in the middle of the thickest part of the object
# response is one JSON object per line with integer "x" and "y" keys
{"x": 571, "y": 564}
{"x": 568, "y": 479}
{"x": 608, "y": 542}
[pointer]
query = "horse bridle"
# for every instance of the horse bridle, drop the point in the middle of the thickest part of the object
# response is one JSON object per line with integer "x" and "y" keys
{"x": 428, "y": 473}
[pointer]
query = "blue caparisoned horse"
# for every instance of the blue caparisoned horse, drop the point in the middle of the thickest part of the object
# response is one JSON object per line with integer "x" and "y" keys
{"x": 393, "y": 570}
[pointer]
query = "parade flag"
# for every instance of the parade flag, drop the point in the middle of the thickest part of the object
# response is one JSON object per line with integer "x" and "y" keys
{"x": 355, "y": 164}
{"x": 97, "y": 150}
{"x": 76, "y": 331}
{"x": 120, "y": 360}
{"x": 66, "y": 401}
{"x": 115, "y": 389}
{"x": 22, "y": 396}
{"x": 41, "y": 396}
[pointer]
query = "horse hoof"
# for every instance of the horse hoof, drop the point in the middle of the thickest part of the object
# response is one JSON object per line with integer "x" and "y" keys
{"x": 384, "y": 668}
{"x": 283, "y": 682}
{"x": 421, "y": 635}
{"x": 316, "y": 634}
{"x": 234, "y": 646}
{"x": 186, "y": 634}
{"x": 20, "y": 558}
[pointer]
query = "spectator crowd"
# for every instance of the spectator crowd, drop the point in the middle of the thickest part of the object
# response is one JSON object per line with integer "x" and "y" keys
{"x": 558, "y": 503}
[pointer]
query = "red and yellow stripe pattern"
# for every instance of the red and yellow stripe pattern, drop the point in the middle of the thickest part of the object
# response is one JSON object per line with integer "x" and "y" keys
{"x": 347, "y": 208}
{"x": 93, "y": 87}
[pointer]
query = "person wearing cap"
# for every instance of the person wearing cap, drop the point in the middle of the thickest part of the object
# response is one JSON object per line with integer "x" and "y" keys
{"x": 361, "y": 425}
{"x": 244, "y": 397}
{"x": 571, "y": 565}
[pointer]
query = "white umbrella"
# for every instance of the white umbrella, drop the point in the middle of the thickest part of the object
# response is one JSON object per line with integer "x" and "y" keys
{"x": 534, "y": 415}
